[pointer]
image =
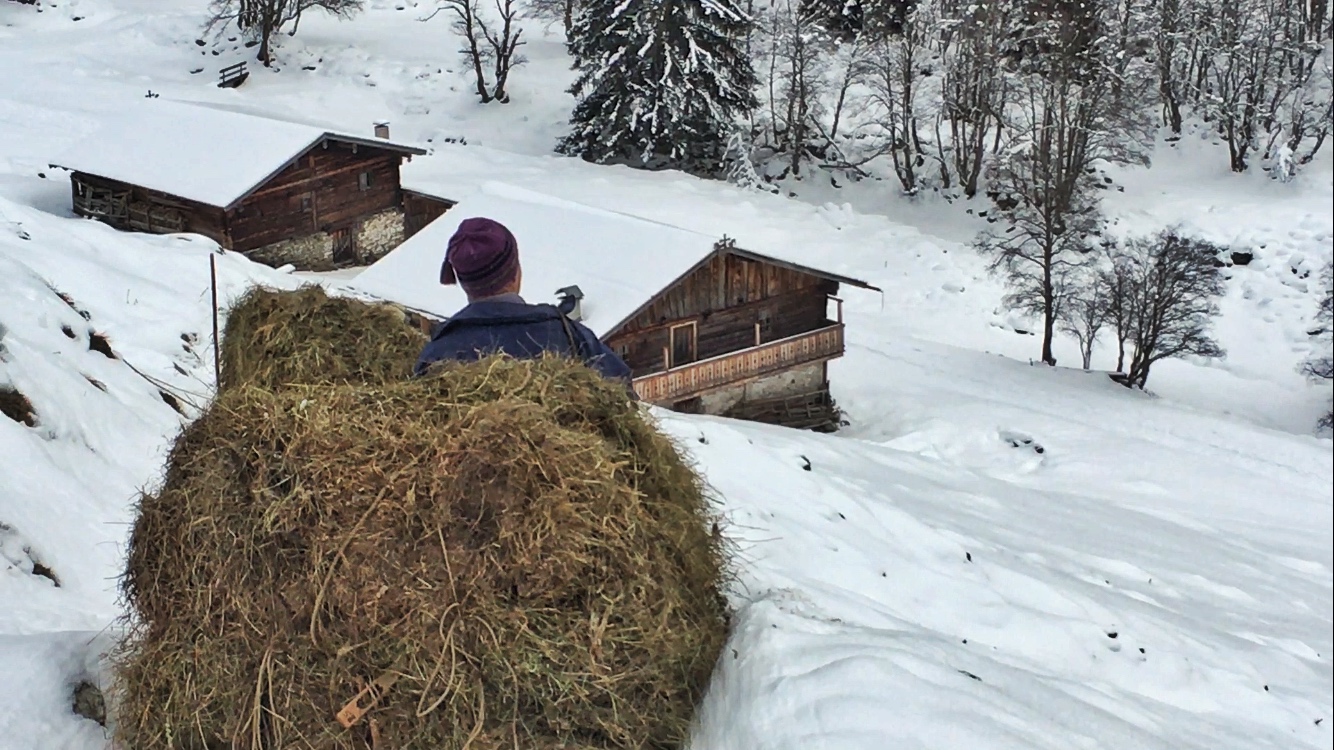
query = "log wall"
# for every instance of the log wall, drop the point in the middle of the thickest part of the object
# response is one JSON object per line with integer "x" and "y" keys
{"x": 195, "y": 218}
{"x": 725, "y": 299}
{"x": 420, "y": 210}
{"x": 323, "y": 191}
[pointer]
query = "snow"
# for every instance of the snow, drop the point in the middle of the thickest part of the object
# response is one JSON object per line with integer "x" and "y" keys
{"x": 211, "y": 154}
{"x": 618, "y": 261}
{"x": 893, "y": 565}
{"x": 1195, "y": 521}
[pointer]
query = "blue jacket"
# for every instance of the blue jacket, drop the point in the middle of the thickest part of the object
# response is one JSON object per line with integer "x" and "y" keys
{"x": 520, "y": 330}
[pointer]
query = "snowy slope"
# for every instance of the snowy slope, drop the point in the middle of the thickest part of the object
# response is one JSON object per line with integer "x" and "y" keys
{"x": 1005, "y": 599}
{"x": 1193, "y": 522}
{"x": 67, "y": 484}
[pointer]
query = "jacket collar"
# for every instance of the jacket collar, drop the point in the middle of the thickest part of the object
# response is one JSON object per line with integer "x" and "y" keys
{"x": 508, "y": 297}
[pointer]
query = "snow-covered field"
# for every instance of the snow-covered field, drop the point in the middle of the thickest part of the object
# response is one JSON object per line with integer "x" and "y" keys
{"x": 992, "y": 555}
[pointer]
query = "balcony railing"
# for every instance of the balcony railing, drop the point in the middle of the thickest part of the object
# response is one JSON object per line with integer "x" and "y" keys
{"x": 716, "y": 372}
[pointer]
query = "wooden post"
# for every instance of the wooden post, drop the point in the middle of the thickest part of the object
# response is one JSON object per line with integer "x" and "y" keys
{"x": 757, "y": 334}
{"x": 839, "y": 301}
{"x": 666, "y": 358}
{"x": 217, "y": 344}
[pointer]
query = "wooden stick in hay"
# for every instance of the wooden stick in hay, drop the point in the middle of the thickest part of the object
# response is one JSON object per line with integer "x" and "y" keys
{"x": 373, "y": 692}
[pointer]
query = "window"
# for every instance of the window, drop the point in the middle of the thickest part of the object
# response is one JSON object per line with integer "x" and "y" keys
{"x": 305, "y": 203}
{"x": 766, "y": 322}
{"x": 364, "y": 180}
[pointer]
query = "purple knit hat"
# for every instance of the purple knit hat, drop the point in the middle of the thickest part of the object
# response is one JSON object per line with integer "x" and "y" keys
{"x": 482, "y": 257}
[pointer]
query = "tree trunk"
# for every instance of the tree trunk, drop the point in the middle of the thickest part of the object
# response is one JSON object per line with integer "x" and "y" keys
{"x": 1173, "y": 112}
{"x": 1048, "y": 333}
{"x": 1237, "y": 154}
{"x": 476, "y": 56}
{"x": 265, "y": 33}
{"x": 1048, "y": 302}
{"x": 1142, "y": 377}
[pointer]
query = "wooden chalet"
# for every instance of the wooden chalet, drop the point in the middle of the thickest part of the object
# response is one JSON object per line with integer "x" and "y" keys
{"x": 278, "y": 191}
{"x": 706, "y": 326}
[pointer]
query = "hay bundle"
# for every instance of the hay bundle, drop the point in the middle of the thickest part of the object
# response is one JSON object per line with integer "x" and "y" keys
{"x": 509, "y": 543}
{"x": 273, "y": 339}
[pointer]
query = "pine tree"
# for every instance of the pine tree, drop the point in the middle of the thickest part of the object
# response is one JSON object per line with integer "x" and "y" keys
{"x": 661, "y": 82}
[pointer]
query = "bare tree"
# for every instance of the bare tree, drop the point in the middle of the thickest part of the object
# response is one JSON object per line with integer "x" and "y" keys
{"x": 1305, "y": 105}
{"x": 974, "y": 91}
{"x": 899, "y": 50}
{"x": 1076, "y": 103}
{"x": 555, "y": 10}
{"x": 1049, "y": 219}
{"x": 1256, "y": 74}
{"x": 1321, "y": 366}
{"x": 1174, "y": 286}
{"x": 1172, "y": 29}
{"x": 852, "y": 56}
{"x": 795, "y": 53}
{"x": 485, "y": 45}
{"x": 1086, "y": 313}
{"x": 260, "y": 20}
{"x": 1117, "y": 281}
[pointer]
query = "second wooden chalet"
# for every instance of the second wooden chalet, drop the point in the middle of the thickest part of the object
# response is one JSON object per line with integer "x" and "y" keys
{"x": 278, "y": 191}
{"x": 706, "y": 326}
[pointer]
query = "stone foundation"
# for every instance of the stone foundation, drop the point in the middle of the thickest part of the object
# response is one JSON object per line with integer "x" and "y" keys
{"x": 314, "y": 252}
{"x": 372, "y": 237}
{"x": 794, "y": 382}
{"x": 378, "y": 235}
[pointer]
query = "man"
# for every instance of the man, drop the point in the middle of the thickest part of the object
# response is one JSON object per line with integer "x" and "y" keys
{"x": 483, "y": 258}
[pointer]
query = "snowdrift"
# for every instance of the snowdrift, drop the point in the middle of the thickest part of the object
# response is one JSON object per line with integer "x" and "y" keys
{"x": 504, "y": 554}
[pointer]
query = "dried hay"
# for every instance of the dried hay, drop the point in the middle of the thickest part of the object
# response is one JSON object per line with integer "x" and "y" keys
{"x": 511, "y": 541}
{"x": 275, "y": 338}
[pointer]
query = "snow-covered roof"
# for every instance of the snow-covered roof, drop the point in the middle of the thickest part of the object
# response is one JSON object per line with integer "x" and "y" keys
{"x": 205, "y": 153}
{"x": 619, "y": 262}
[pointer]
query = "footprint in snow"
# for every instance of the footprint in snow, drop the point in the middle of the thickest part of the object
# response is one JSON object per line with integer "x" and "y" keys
{"x": 1022, "y": 441}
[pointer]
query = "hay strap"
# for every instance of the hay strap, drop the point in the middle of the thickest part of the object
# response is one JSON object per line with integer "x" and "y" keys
{"x": 373, "y": 692}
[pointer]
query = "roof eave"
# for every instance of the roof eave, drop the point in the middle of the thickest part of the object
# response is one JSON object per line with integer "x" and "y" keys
{"x": 369, "y": 142}
{"x": 430, "y": 195}
{"x": 198, "y": 201}
{"x": 804, "y": 269}
{"x": 744, "y": 254}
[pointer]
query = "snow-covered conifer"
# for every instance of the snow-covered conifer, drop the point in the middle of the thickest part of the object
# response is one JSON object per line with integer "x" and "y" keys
{"x": 661, "y": 82}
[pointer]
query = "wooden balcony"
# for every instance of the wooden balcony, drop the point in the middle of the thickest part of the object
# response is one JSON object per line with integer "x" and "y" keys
{"x": 738, "y": 367}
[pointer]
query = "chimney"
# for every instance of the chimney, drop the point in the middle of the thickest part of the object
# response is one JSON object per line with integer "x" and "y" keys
{"x": 382, "y": 130}
{"x": 571, "y": 302}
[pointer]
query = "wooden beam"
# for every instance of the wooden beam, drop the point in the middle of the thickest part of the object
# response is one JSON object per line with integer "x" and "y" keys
{"x": 288, "y": 186}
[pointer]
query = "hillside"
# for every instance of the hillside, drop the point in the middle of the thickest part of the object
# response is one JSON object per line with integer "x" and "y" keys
{"x": 991, "y": 555}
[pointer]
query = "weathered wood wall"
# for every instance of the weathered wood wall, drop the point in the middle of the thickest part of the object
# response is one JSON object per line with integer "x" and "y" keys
{"x": 420, "y": 210}
{"x": 320, "y": 192}
{"x": 197, "y": 217}
{"x": 726, "y": 298}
